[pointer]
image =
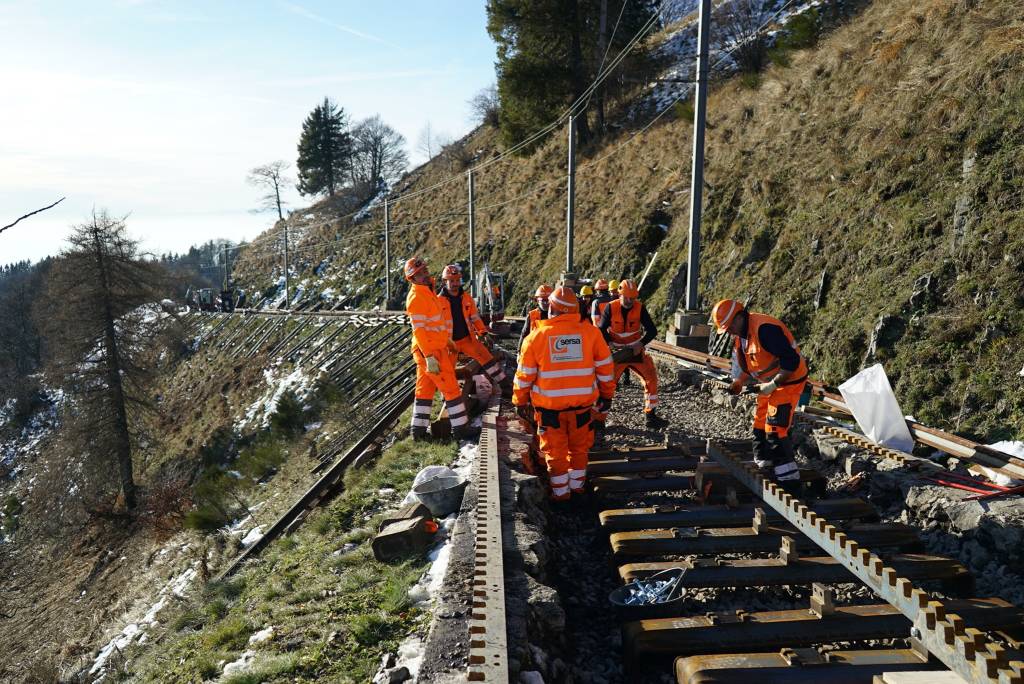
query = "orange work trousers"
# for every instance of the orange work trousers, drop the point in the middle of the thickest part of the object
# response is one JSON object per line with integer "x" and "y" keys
{"x": 443, "y": 381}
{"x": 774, "y": 413}
{"x": 565, "y": 440}
{"x": 475, "y": 349}
{"x": 644, "y": 367}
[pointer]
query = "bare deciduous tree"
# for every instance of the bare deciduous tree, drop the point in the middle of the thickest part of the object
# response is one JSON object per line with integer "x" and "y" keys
{"x": 99, "y": 341}
{"x": 738, "y": 27}
{"x": 378, "y": 156}
{"x": 485, "y": 106}
{"x": 272, "y": 180}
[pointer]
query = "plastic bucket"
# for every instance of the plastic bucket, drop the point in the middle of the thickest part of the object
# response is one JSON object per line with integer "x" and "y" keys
{"x": 442, "y": 495}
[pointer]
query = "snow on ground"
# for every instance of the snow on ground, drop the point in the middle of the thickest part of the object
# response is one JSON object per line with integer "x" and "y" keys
{"x": 259, "y": 412}
{"x": 16, "y": 451}
{"x": 423, "y": 593}
{"x": 679, "y": 48}
{"x": 136, "y": 629}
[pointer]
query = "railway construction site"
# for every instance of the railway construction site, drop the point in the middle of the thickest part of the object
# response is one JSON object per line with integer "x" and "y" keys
{"x": 885, "y": 567}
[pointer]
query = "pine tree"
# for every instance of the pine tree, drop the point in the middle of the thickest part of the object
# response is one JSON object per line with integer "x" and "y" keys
{"x": 100, "y": 346}
{"x": 550, "y": 51}
{"x": 325, "y": 150}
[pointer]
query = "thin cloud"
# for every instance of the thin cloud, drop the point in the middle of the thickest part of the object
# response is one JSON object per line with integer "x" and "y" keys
{"x": 355, "y": 77}
{"x": 306, "y": 14}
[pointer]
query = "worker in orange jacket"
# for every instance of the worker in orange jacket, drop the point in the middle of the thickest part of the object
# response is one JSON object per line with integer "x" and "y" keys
{"x": 628, "y": 327}
{"x": 766, "y": 353}
{"x": 601, "y": 299}
{"x": 565, "y": 369}
{"x": 539, "y": 314}
{"x": 431, "y": 349}
{"x": 467, "y": 325}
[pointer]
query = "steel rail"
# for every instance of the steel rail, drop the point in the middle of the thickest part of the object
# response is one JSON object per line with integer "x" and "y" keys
{"x": 488, "y": 639}
{"x": 964, "y": 650}
{"x": 954, "y": 445}
{"x": 328, "y": 480}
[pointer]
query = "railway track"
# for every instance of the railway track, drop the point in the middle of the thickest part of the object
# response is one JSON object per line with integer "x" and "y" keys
{"x": 712, "y": 524}
{"x": 699, "y": 510}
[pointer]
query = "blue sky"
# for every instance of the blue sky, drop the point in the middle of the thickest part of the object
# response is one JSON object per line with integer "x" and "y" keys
{"x": 158, "y": 108}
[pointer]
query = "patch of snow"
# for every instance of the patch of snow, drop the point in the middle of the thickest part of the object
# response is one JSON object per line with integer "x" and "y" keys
{"x": 260, "y": 411}
{"x": 243, "y": 663}
{"x": 262, "y": 636}
{"x": 254, "y": 535}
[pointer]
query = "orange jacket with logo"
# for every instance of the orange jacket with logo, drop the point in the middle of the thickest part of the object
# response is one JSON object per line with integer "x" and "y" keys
{"x": 759, "y": 363}
{"x": 431, "y": 319}
{"x": 565, "y": 363}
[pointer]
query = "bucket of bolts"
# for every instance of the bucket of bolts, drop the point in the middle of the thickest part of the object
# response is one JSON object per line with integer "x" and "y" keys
{"x": 659, "y": 595}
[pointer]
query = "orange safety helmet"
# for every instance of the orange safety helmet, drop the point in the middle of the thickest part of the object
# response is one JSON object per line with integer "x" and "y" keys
{"x": 543, "y": 291}
{"x": 563, "y": 300}
{"x": 724, "y": 312}
{"x": 601, "y": 284}
{"x": 452, "y": 272}
{"x": 414, "y": 266}
{"x": 627, "y": 288}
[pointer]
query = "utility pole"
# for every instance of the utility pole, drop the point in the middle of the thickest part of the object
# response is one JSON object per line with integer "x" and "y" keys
{"x": 472, "y": 236}
{"x": 287, "y": 296}
{"x": 387, "y": 253}
{"x": 570, "y": 214}
{"x": 697, "y": 175}
{"x": 224, "y": 246}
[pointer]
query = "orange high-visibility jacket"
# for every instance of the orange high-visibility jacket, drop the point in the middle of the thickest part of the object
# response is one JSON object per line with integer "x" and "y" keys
{"x": 469, "y": 311}
{"x": 758, "y": 362}
{"x": 625, "y": 329}
{"x": 431, "y": 319}
{"x": 565, "y": 364}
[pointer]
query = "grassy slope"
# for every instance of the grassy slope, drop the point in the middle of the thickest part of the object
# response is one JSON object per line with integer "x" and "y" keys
{"x": 849, "y": 160}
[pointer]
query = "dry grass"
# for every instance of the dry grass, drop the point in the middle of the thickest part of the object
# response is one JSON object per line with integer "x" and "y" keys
{"x": 849, "y": 160}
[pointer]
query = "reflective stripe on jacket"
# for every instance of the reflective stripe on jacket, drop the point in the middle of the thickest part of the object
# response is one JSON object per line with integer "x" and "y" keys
{"x": 758, "y": 362}
{"x": 431, "y": 320}
{"x": 565, "y": 363}
{"x": 625, "y": 325}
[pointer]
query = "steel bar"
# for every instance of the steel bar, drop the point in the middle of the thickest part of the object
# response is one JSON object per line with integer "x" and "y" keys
{"x": 488, "y": 646}
{"x": 214, "y": 329}
{"x": 305, "y": 341}
{"x": 690, "y": 541}
{"x": 962, "y": 649}
{"x": 739, "y": 631}
{"x": 621, "y": 519}
{"x": 231, "y": 333}
{"x": 626, "y": 483}
{"x": 640, "y": 465}
{"x": 328, "y": 480}
{"x": 258, "y": 345}
{"x": 774, "y": 572}
{"x": 243, "y": 343}
{"x": 330, "y": 338}
{"x": 795, "y": 667}
{"x": 290, "y": 336}
{"x": 635, "y": 453}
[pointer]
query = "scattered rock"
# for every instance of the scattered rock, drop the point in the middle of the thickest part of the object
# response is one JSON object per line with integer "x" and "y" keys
{"x": 393, "y": 675}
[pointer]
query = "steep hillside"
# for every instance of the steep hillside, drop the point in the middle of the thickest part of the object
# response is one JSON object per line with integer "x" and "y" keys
{"x": 885, "y": 163}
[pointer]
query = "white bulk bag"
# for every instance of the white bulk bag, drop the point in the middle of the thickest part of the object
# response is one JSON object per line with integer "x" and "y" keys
{"x": 870, "y": 398}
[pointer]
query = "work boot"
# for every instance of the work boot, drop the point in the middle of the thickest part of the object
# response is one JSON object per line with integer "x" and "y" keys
{"x": 465, "y": 432}
{"x": 418, "y": 434}
{"x": 654, "y": 421}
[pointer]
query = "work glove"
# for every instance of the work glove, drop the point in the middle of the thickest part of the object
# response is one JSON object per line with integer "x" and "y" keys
{"x": 736, "y": 387}
{"x": 525, "y": 412}
{"x": 603, "y": 405}
{"x": 433, "y": 365}
{"x": 637, "y": 347}
{"x": 766, "y": 388}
